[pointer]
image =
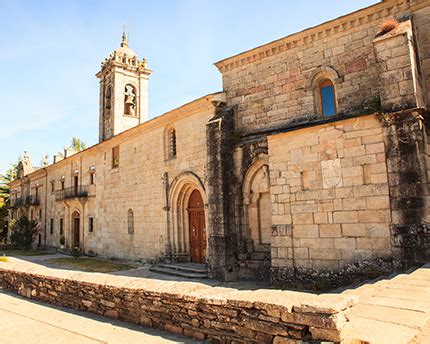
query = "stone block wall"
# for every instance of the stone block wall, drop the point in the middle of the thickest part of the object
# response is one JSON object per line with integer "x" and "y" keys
{"x": 219, "y": 315}
{"x": 274, "y": 85}
{"x": 400, "y": 70}
{"x": 136, "y": 184}
{"x": 330, "y": 195}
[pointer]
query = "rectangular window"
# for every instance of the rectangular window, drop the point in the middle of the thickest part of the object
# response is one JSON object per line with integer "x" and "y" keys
{"x": 62, "y": 185}
{"x": 40, "y": 214}
{"x": 61, "y": 226}
{"x": 51, "y": 228}
{"x": 52, "y": 186}
{"x": 91, "y": 224}
{"x": 328, "y": 100}
{"x": 92, "y": 178}
{"x": 115, "y": 157}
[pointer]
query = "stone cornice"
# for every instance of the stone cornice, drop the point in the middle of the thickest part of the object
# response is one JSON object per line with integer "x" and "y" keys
{"x": 369, "y": 14}
{"x": 191, "y": 108}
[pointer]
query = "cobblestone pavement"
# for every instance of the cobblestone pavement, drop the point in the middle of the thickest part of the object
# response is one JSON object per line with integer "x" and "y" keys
{"x": 23, "y": 321}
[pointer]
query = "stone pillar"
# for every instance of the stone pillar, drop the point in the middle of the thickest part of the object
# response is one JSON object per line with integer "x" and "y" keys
{"x": 408, "y": 160}
{"x": 222, "y": 260}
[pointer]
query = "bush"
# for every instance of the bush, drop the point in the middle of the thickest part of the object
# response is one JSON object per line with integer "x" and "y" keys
{"x": 387, "y": 26}
{"x": 76, "y": 252}
{"x": 23, "y": 232}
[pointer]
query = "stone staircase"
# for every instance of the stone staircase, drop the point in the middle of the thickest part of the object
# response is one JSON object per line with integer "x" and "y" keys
{"x": 187, "y": 270}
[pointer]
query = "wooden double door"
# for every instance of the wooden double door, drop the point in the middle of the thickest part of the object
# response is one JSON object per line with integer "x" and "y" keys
{"x": 197, "y": 227}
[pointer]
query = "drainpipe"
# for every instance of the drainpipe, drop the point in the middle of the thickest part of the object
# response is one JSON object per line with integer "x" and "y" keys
{"x": 46, "y": 204}
{"x": 83, "y": 207}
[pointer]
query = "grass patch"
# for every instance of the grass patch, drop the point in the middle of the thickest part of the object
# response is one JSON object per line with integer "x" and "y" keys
{"x": 3, "y": 259}
{"x": 91, "y": 264}
{"x": 23, "y": 253}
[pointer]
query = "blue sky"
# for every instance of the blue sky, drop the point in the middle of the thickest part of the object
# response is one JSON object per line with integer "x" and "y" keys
{"x": 51, "y": 50}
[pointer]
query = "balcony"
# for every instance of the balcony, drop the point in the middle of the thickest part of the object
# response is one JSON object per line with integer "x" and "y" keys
{"x": 32, "y": 200}
{"x": 16, "y": 203}
{"x": 73, "y": 192}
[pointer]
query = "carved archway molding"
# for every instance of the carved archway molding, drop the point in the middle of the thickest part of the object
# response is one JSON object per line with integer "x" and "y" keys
{"x": 179, "y": 194}
{"x": 250, "y": 198}
{"x": 249, "y": 176}
{"x": 323, "y": 73}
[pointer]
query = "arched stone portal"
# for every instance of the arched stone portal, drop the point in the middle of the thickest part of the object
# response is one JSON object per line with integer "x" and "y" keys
{"x": 187, "y": 195}
{"x": 257, "y": 206}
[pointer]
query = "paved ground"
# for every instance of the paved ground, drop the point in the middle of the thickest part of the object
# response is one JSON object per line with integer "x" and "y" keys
{"x": 395, "y": 310}
{"x": 23, "y": 321}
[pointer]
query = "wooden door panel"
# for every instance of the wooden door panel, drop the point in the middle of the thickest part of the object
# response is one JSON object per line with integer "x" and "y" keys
{"x": 197, "y": 235}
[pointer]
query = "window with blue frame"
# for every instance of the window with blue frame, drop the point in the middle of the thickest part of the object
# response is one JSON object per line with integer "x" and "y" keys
{"x": 328, "y": 99}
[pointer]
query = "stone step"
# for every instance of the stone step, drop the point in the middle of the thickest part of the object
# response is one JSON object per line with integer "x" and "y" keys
{"x": 260, "y": 256}
{"x": 190, "y": 267}
{"x": 174, "y": 270}
{"x": 362, "y": 330}
{"x": 257, "y": 263}
{"x": 390, "y": 314}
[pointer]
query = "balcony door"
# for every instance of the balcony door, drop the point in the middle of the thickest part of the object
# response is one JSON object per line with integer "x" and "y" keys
{"x": 76, "y": 185}
{"x": 76, "y": 225}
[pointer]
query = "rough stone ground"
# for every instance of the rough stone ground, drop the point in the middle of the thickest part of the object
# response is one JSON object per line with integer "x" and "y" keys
{"x": 23, "y": 321}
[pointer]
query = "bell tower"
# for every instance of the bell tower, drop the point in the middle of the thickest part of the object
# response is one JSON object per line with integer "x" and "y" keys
{"x": 123, "y": 91}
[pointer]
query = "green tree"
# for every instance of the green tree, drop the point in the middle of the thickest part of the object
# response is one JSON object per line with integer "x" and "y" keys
{"x": 3, "y": 224}
{"x": 78, "y": 145}
{"x": 23, "y": 232}
{"x": 5, "y": 179}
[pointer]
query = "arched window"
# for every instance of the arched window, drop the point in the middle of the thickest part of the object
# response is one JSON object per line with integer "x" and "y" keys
{"x": 108, "y": 98}
{"x": 130, "y": 221}
{"x": 172, "y": 143}
{"x": 328, "y": 98}
{"x": 130, "y": 100}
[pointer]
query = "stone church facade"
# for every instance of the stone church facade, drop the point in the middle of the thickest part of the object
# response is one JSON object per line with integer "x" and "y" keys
{"x": 312, "y": 161}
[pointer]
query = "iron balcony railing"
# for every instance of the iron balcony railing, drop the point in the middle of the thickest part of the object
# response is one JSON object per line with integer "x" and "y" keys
{"x": 73, "y": 192}
{"x": 32, "y": 200}
{"x": 16, "y": 203}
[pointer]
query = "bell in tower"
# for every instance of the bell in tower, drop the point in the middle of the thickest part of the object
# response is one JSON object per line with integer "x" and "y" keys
{"x": 130, "y": 96}
{"x": 123, "y": 91}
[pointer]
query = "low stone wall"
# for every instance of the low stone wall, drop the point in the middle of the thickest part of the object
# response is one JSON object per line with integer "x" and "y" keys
{"x": 220, "y": 315}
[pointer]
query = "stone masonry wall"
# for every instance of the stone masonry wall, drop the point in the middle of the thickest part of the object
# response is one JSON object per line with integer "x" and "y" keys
{"x": 273, "y": 85}
{"x": 136, "y": 184}
{"x": 217, "y": 314}
{"x": 330, "y": 195}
